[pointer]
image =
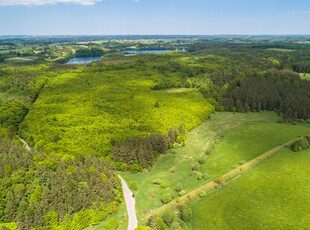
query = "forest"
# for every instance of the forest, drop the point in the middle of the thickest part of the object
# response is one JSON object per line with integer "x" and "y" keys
{"x": 86, "y": 123}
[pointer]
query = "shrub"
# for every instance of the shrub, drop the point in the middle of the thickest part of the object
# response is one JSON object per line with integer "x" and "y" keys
{"x": 167, "y": 217}
{"x": 304, "y": 144}
{"x": 242, "y": 162}
{"x": 179, "y": 187}
{"x": 173, "y": 151}
{"x": 175, "y": 226}
{"x": 199, "y": 175}
{"x": 112, "y": 223}
{"x": 157, "y": 181}
{"x": 133, "y": 185}
{"x": 195, "y": 167}
{"x": 166, "y": 198}
{"x": 160, "y": 224}
{"x": 202, "y": 193}
{"x": 173, "y": 170}
{"x": 164, "y": 185}
{"x": 235, "y": 166}
{"x": 186, "y": 215}
{"x": 201, "y": 160}
{"x": 178, "y": 201}
{"x": 142, "y": 228}
{"x": 182, "y": 193}
{"x": 205, "y": 176}
{"x": 219, "y": 180}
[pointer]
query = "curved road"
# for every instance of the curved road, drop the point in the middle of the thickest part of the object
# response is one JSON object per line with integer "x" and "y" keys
{"x": 130, "y": 204}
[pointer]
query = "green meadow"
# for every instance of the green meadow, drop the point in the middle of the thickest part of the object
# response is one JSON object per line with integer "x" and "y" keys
{"x": 236, "y": 137}
{"x": 274, "y": 195}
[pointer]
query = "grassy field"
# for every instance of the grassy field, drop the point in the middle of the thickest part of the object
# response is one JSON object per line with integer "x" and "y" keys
{"x": 305, "y": 76}
{"x": 272, "y": 196}
{"x": 246, "y": 136}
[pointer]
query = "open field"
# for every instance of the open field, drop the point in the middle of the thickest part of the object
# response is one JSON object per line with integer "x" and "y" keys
{"x": 305, "y": 76}
{"x": 246, "y": 136}
{"x": 272, "y": 196}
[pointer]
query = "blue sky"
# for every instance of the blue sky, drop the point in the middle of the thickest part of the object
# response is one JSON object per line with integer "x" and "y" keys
{"x": 117, "y": 17}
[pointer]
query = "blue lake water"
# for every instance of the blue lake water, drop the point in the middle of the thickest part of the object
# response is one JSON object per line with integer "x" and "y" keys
{"x": 148, "y": 51}
{"x": 83, "y": 60}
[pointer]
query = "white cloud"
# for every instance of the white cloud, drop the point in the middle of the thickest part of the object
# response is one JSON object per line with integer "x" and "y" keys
{"x": 46, "y": 2}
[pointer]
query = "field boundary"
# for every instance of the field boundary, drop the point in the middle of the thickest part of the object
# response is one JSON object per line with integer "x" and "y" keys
{"x": 211, "y": 186}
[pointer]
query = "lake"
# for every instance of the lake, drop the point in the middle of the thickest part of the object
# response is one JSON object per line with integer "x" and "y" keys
{"x": 83, "y": 60}
{"x": 148, "y": 51}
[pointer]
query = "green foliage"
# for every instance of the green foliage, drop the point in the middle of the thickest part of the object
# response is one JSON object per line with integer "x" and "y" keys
{"x": 182, "y": 193}
{"x": 199, "y": 175}
{"x": 219, "y": 180}
{"x": 179, "y": 187}
{"x": 168, "y": 217}
{"x": 103, "y": 111}
{"x": 157, "y": 181}
{"x": 111, "y": 224}
{"x": 164, "y": 185}
{"x": 202, "y": 193}
{"x": 186, "y": 215}
{"x": 51, "y": 219}
{"x": 142, "y": 228}
{"x": 35, "y": 195}
{"x": 133, "y": 185}
{"x": 166, "y": 198}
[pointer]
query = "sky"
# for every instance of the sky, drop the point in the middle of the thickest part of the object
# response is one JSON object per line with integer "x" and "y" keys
{"x": 154, "y": 17}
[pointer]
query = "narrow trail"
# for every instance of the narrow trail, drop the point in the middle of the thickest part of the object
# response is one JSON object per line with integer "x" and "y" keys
{"x": 130, "y": 204}
{"x": 25, "y": 144}
{"x": 228, "y": 177}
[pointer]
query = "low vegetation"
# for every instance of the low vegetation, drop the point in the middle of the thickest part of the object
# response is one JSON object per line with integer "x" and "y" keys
{"x": 276, "y": 201}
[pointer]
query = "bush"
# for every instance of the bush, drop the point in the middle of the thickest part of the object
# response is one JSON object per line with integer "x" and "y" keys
{"x": 205, "y": 176}
{"x": 175, "y": 226}
{"x": 242, "y": 162}
{"x": 304, "y": 144}
{"x": 133, "y": 185}
{"x": 166, "y": 198}
{"x": 219, "y": 180}
{"x": 202, "y": 193}
{"x": 195, "y": 167}
{"x": 202, "y": 160}
{"x": 173, "y": 170}
{"x": 142, "y": 228}
{"x": 235, "y": 166}
{"x": 157, "y": 181}
{"x": 112, "y": 223}
{"x": 199, "y": 175}
{"x": 182, "y": 193}
{"x": 167, "y": 217}
{"x": 164, "y": 185}
{"x": 179, "y": 187}
{"x": 186, "y": 215}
